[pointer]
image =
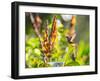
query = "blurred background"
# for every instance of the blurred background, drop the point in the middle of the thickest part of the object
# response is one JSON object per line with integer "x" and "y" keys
{"x": 62, "y": 50}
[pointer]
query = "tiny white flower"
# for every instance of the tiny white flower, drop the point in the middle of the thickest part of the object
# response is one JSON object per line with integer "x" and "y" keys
{"x": 66, "y": 49}
{"x": 67, "y": 17}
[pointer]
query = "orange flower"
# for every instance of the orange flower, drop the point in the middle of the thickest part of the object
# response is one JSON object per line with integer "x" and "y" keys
{"x": 53, "y": 33}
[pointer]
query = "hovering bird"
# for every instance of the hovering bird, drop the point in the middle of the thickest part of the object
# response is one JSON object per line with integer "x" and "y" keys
{"x": 71, "y": 35}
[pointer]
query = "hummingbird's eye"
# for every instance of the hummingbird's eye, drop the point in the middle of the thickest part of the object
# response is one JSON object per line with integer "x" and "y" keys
{"x": 68, "y": 39}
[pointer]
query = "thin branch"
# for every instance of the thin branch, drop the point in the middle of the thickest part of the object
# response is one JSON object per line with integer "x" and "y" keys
{"x": 31, "y": 17}
{"x": 33, "y": 23}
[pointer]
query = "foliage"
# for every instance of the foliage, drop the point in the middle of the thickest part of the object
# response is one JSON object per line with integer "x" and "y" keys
{"x": 62, "y": 50}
